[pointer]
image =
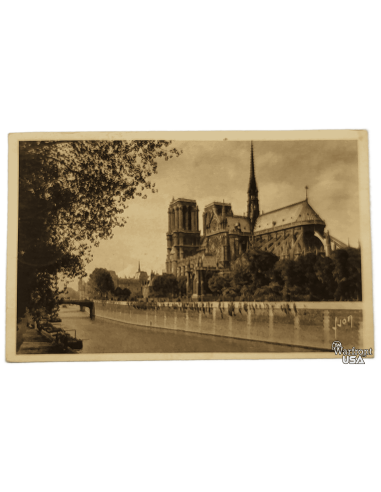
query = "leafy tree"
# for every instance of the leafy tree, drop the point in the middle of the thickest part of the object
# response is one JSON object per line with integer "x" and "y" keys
{"x": 305, "y": 277}
{"x": 158, "y": 284}
{"x": 118, "y": 291}
{"x": 218, "y": 282}
{"x": 285, "y": 275}
{"x": 165, "y": 284}
{"x": 308, "y": 277}
{"x": 100, "y": 281}
{"x": 312, "y": 277}
{"x": 44, "y": 295}
{"x": 126, "y": 292}
{"x": 253, "y": 270}
{"x": 72, "y": 195}
{"x": 347, "y": 274}
{"x": 271, "y": 292}
{"x": 324, "y": 274}
{"x": 230, "y": 292}
{"x": 182, "y": 285}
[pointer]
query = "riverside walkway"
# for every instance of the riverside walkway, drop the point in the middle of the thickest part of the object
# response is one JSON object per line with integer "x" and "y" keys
{"x": 35, "y": 343}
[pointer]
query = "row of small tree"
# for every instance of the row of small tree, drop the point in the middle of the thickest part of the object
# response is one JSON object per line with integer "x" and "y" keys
{"x": 101, "y": 284}
{"x": 263, "y": 276}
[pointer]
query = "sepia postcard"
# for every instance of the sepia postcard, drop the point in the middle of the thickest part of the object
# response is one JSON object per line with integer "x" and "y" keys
{"x": 189, "y": 245}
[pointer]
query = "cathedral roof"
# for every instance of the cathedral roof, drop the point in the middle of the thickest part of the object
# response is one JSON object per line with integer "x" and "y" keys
{"x": 242, "y": 221}
{"x": 286, "y": 216}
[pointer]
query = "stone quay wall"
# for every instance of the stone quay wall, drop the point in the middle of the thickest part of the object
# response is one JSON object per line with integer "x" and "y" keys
{"x": 305, "y": 324}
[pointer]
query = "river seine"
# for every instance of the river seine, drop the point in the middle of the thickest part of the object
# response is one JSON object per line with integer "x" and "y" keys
{"x": 104, "y": 336}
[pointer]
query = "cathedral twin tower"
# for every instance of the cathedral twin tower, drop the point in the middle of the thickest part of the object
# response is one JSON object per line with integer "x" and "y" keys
{"x": 184, "y": 238}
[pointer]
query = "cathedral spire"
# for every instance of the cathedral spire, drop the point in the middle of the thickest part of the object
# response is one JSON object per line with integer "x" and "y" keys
{"x": 252, "y": 183}
{"x": 139, "y": 266}
{"x": 252, "y": 195}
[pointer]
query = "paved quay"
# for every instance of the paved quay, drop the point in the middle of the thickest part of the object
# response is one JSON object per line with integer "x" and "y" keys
{"x": 35, "y": 343}
{"x": 32, "y": 341}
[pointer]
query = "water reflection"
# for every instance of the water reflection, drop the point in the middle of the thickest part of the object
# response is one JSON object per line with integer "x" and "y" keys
{"x": 108, "y": 336}
{"x": 260, "y": 323}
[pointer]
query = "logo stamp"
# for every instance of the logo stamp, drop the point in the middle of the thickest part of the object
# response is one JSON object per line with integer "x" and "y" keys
{"x": 350, "y": 356}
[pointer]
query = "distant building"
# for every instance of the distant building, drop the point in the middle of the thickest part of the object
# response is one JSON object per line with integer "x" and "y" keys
{"x": 82, "y": 289}
{"x": 147, "y": 287}
{"x": 141, "y": 276}
{"x": 134, "y": 284}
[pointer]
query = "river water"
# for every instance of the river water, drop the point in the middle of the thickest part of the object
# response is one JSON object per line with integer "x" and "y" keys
{"x": 104, "y": 336}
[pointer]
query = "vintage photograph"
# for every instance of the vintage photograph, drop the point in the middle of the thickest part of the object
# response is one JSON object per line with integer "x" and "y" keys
{"x": 244, "y": 245}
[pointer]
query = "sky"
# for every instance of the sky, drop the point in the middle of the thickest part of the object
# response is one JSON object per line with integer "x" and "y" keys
{"x": 216, "y": 171}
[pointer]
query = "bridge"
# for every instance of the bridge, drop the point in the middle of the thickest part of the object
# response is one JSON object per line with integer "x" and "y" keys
{"x": 82, "y": 304}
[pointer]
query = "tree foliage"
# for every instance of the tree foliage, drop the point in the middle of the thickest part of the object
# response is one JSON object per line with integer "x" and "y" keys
{"x": 44, "y": 293}
{"x": 253, "y": 270}
{"x": 182, "y": 285}
{"x": 71, "y": 195}
{"x": 126, "y": 292}
{"x": 262, "y": 276}
{"x": 100, "y": 282}
{"x": 165, "y": 284}
{"x": 347, "y": 274}
{"x": 217, "y": 283}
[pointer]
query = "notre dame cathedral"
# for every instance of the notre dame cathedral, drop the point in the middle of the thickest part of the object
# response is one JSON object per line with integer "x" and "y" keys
{"x": 287, "y": 232}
